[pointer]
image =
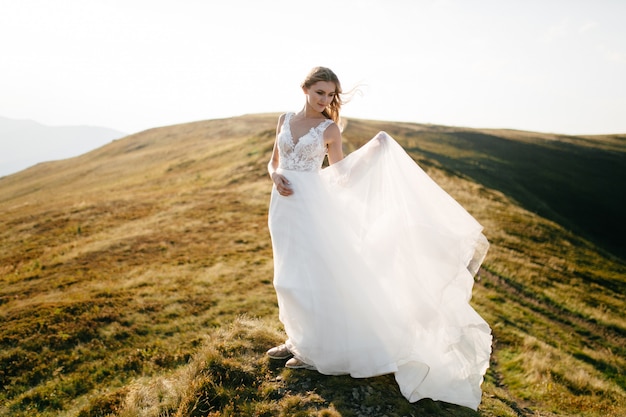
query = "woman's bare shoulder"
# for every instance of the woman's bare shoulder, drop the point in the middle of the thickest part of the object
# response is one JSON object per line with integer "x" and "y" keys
{"x": 332, "y": 131}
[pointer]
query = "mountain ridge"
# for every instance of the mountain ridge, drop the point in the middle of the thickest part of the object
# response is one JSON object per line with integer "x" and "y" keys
{"x": 24, "y": 143}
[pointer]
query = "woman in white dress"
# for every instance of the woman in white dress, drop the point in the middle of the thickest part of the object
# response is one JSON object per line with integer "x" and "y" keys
{"x": 373, "y": 261}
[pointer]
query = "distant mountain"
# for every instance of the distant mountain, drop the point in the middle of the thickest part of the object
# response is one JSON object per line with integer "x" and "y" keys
{"x": 24, "y": 143}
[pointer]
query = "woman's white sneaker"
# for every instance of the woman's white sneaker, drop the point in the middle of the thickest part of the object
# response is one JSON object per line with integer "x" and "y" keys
{"x": 279, "y": 352}
{"x": 295, "y": 363}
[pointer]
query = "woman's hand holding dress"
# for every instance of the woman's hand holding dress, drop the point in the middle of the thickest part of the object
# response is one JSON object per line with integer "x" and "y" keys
{"x": 282, "y": 184}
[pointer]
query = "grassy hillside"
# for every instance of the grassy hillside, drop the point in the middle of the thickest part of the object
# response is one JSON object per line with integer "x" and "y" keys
{"x": 136, "y": 279}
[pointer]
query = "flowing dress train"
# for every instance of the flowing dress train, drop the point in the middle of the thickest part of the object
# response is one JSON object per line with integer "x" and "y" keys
{"x": 373, "y": 269}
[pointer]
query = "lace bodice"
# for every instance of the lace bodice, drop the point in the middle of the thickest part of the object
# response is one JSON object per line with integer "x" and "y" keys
{"x": 307, "y": 154}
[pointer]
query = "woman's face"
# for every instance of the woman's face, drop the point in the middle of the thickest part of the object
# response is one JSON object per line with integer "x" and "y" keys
{"x": 320, "y": 94}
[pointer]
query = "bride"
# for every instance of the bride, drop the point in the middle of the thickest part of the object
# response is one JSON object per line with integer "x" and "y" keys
{"x": 373, "y": 261}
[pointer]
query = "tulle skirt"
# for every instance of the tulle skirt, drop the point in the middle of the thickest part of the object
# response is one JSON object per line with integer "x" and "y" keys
{"x": 373, "y": 270}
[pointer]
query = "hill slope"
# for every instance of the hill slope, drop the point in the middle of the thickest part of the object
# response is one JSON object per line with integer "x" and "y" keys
{"x": 125, "y": 273}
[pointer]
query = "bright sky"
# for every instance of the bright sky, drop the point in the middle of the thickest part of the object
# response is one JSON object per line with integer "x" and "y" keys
{"x": 541, "y": 65}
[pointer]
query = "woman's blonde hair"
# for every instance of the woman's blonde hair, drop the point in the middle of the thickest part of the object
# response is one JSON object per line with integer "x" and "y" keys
{"x": 325, "y": 74}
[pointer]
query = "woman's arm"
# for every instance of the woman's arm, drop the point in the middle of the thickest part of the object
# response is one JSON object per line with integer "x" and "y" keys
{"x": 332, "y": 138}
{"x": 273, "y": 164}
{"x": 282, "y": 184}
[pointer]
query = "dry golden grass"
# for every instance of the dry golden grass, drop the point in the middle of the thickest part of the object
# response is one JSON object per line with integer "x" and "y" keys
{"x": 125, "y": 273}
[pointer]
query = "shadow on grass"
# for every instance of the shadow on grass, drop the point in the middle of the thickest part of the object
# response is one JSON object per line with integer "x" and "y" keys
{"x": 377, "y": 396}
{"x": 578, "y": 187}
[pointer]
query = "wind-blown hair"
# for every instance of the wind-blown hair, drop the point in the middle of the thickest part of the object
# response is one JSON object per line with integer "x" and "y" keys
{"x": 325, "y": 74}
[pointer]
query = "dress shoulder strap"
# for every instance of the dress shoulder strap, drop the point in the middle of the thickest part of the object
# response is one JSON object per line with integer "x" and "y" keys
{"x": 286, "y": 120}
{"x": 324, "y": 125}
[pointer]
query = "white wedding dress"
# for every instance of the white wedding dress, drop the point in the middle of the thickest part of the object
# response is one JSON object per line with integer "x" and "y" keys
{"x": 373, "y": 269}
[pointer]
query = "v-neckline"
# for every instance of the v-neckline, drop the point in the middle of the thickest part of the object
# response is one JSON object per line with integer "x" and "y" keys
{"x": 293, "y": 138}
